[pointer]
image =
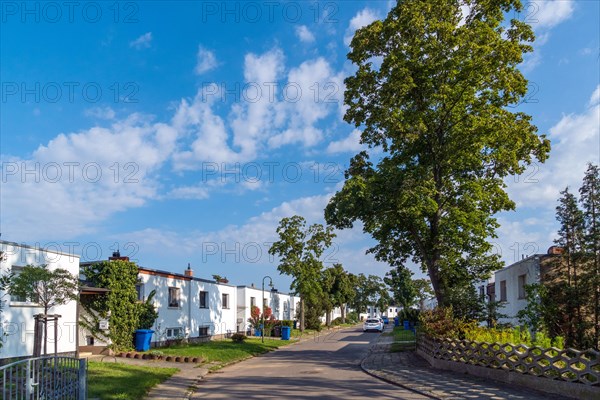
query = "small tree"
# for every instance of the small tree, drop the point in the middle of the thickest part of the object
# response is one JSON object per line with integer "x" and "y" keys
{"x": 299, "y": 250}
{"x": 148, "y": 313}
{"x": 48, "y": 288}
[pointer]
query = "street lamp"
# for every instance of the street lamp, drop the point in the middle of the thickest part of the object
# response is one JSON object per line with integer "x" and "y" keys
{"x": 262, "y": 331}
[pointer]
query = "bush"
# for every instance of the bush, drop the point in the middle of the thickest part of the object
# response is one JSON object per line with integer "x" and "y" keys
{"x": 352, "y": 317}
{"x": 238, "y": 337}
{"x": 411, "y": 315}
{"x": 287, "y": 322}
{"x": 337, "y": 321}
{"x": 440, "y": 323}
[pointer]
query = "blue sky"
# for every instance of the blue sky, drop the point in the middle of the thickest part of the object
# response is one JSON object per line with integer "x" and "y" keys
{"x": 182, "y": 132}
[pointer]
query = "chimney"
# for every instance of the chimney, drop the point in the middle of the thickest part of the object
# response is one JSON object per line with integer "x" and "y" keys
{"x": 252, "y": 285}
{"x": 188, "y": 271}
{"x": 555, "y": 250}
{"x": 116, "y": 255}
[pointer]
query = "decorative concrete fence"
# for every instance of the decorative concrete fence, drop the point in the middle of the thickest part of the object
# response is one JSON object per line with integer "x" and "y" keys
{"x": 570, "y": 365}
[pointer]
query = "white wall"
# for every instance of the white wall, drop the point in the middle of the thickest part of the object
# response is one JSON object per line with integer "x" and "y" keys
{"x": 283, "y": 305}
{"x": 189, "y": 316}
{"x": 528, "y": 267}
{"x": 17, "y": 318}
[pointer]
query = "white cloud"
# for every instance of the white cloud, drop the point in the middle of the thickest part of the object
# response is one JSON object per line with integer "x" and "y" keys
{"x": 304, "y": 34}
{"x": 205, "y": 61}
{"x": 200, "y": 192}
{"x": 80, "y": 179}
{"x": 575, "y": 142}
{"x": 548, "y": 14}
{"x": 143, "y": 42}
{"x": 595, "y": 97}
{"x": 363, "y": 18}
{"x": 100, "y": 113}
{"x": 350, "y": 144}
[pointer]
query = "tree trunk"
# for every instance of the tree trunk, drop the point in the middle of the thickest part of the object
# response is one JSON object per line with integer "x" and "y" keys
{"x": 328, "y": 318}
{"x": 302, "y": 314}
{"x": 343, "y": 310}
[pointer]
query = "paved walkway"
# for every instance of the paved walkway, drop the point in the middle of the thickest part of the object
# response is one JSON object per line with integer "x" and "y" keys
{"x": 410, "y": 371}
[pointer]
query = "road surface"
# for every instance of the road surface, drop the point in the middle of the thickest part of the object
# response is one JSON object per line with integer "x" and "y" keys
{"x": 327, "y": 367}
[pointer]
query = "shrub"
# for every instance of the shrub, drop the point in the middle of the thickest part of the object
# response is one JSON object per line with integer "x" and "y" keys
{"x": 337, "y": 321}
{"x": 440, "y": 323}
{"x": 238, "y": 337}
{"x": 287, "y": 322}
{"x": 410, "y": 314}
{"x": 352, "y": 317}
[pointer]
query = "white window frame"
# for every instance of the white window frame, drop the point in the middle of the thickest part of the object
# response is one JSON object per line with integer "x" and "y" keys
{"x": 206, "y": 301}
{"x": 174, "y": 333}
{"x": 178, "y": 291}
{"x": 225, "y": 301}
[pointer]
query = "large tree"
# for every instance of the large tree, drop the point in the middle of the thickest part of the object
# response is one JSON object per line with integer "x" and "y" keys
{"x": 432, "y": 93}
{"x": 338, "y": 288}
{"x": 590, "y": 203}
{"x": 299, "y": 249}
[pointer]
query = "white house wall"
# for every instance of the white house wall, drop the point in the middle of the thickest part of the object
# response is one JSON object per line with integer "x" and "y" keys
{"x": 283, "y": 305}
{"x": 189, "y": 316}
{"x": 17, "y": 323}
{"x": 513, "y": 304}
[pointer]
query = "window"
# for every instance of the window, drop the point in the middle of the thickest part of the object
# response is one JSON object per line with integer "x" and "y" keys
{"x": 173, "y": 333}
{"x": 174, "y": 297}
{"x": 502, "y": 290}
{"x": 252, "y": 302}
{"x": 285, "y": 306}
{"x": 203, "y": 331}
{"x": 225, "y": 300}
{"x": 482, "y": 292}
{"x": 203, "y": 299}
{"x": 522, "y": 283}
{"x": 139, "y": 288}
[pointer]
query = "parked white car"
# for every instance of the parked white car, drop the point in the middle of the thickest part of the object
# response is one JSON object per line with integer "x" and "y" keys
{"x": 373, "y": 324}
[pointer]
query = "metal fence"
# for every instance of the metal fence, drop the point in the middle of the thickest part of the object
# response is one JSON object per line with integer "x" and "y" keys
{"x": 44, "y": 378}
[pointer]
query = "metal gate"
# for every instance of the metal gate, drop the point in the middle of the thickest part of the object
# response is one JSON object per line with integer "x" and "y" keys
{"x": 44, "y": 378}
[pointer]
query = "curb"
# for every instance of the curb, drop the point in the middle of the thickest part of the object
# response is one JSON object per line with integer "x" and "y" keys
{"x": 374, "y": 374}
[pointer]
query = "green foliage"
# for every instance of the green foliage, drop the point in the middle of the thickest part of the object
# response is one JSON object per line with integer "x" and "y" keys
{"x": 5, "y": 281}
{"x": 437, "y": 106}
{"x": 119, "y": 305}
{"x": 238, "y": 337}
{"x": 369, "y": 290}
{"x": 409, "y": 314}
{"x": 571, "y": 307}
{"x": 440, "y": 323}
{"x": 424, "y": 291}
{"x": 48, "y": 288}
{"x": 287, "y": 322}
{"x": 314, "y": 311}
{"x": 401, "y": 285}
{"x": 516, "y": 335}
{"x": 337, "y": 287}
{"x": 466, "y": 303}
{"x": 352, "y": 317}
{"x": 148, "y": 313}
{"x": 299, "y": 250}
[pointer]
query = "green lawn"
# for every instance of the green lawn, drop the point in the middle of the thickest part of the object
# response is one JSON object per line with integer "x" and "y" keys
{"x": 225, "y": 351}
{"x": 122, "y": 381}
{"x": 403, "y": 340}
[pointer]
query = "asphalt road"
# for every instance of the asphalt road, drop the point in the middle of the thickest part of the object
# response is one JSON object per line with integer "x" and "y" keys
{"x": 327, "y": 367}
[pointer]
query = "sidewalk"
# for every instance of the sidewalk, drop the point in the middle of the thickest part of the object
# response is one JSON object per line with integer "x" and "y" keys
{"x": 410, "y": 371}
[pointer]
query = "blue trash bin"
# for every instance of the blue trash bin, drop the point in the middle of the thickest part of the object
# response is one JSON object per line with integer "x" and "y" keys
{"x": 396, "y": 321}
{"x": 285, "y": 332}
{"x": 142, "y": 339}
{"x": 257, "y": 332}
{"x": 406, "y": 325}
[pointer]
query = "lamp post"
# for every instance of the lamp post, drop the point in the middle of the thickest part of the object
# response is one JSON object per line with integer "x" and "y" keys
{"x": 262, "y": 330}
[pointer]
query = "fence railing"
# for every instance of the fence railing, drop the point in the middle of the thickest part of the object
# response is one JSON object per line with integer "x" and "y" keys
{"x": 56, "y": 378}
{"x": 568, "y": 365}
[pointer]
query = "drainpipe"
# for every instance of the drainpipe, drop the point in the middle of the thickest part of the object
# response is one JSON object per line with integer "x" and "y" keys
{"x": 190, "y": 305}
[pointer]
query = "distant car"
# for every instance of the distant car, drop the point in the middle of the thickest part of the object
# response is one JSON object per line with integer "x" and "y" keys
{"x": 386, "y": 320}
{"x": 373, "y": 324}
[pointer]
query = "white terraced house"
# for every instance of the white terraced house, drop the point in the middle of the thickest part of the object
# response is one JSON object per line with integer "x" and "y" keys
{"x": 17, "y": 315}
{"x": 283, "y": 305}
